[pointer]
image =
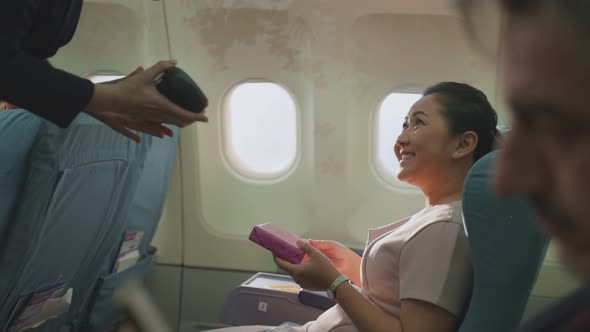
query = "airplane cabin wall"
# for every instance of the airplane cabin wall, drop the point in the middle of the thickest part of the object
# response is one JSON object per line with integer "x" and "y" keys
{"x": 338, "y": 59}
{"x": 334, "y": 59}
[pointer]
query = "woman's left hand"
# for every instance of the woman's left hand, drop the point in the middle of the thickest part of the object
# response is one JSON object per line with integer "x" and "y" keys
{"x": 316, "y": 273}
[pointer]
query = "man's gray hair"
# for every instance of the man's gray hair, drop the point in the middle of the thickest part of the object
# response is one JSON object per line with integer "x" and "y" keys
{"x": 575, "y": 12}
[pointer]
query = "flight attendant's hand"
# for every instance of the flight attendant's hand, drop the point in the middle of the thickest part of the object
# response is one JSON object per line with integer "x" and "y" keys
{"x": 316, "y": 273}
{"x": 134, "y": 103}
{"x": 345, "y": 260}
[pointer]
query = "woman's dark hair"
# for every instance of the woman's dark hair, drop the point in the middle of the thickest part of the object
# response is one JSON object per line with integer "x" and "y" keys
{"x": 467, "y": 109}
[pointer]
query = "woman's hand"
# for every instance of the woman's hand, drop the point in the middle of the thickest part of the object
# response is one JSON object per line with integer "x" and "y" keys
{"x": 345, "y": 260}
{"x": 135, "y": 103}
{"x": 316, "y": 273}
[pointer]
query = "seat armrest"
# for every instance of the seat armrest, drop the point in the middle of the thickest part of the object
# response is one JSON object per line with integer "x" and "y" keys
{"x": 316, "y": 299}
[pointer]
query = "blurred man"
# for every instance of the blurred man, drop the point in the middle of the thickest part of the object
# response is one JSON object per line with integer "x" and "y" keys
{"x": 546, "y": 156}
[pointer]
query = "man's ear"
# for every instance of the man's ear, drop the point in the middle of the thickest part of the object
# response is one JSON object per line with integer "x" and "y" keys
{"x": 465, "y": 145}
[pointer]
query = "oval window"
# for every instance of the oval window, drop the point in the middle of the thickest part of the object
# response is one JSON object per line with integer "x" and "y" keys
{"x": 260, "y": 129}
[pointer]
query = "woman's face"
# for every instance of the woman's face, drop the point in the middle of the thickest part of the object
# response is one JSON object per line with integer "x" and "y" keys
{"x": 424, "y": 148}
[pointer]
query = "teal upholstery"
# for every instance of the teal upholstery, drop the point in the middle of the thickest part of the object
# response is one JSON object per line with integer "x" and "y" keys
{"x": 15, "y": 150}
{"x": 143, "y": 215}
{"x": 507, "y": 250}
{"x": 77, "y": 191}
{"x": 148, "y": 203}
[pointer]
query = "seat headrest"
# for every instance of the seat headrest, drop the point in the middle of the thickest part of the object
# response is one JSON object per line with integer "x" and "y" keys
{"x": 507, "y": 250}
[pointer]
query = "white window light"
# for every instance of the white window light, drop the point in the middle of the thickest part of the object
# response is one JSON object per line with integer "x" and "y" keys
{"x": 388, "y": 124}
{"x": 260, "y": 130}
{"x": 101, "y": 78}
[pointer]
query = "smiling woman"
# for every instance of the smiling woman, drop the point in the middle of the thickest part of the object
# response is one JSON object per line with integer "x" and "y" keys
{"x": 415, "y": 274}
{"x": 450, "y": 117}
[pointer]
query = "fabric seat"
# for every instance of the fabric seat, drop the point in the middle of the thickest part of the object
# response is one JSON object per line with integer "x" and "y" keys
{"x": 507, "y": 251}
{"x": 143, "y": 216}
{"x": 77, "y": 191}
{"x": 16, "y": 155}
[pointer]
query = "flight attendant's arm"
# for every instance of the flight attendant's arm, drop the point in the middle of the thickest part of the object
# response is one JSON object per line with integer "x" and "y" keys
{"x": 58, "y": 96}
{"x": 30, "y": 83}
{"x": 134, "y": 103}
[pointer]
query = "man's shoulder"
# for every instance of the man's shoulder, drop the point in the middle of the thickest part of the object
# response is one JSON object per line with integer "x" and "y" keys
{"x": 570, "y": 314}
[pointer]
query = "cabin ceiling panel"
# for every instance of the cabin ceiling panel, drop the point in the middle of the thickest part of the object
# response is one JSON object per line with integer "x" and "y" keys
{"x": 116, "y": 36}
{"x": 135, "y": 5}
{"x": 337, "y": 7}
{"x": 246, "y": 36}
{"x": 108, "y": 37}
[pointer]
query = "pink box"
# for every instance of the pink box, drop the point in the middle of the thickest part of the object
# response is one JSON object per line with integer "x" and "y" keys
{"x": 281, "y": 242}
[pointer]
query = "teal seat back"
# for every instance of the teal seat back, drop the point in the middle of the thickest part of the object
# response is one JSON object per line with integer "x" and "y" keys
{"x": 143, "y": 216}
{"x": 78, "y": 189}
{"x": 507, "y": 251}
{"x": 16, "y": 155}
{"x": 148, "y": 203}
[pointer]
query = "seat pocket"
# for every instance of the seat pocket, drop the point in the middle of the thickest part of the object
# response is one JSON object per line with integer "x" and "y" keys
{"x": 102, "y": 312}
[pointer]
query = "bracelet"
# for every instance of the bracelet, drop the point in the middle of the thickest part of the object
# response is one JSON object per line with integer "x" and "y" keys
{"x": 337, "y": 282}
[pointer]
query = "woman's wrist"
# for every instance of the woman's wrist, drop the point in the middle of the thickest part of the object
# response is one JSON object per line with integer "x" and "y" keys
{"x": 341, "y": 289}
{"x": 332, "y": 276}
{"x": 338, "y": 281}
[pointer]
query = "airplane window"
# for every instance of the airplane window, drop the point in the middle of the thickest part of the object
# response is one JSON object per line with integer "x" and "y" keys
{"x": 260, "y": 130}
{"x": 100, "y": 78}
{"x": 388, "y": 122}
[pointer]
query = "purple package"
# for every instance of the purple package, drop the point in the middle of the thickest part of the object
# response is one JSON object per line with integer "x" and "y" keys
{"x": 279, "y": 241}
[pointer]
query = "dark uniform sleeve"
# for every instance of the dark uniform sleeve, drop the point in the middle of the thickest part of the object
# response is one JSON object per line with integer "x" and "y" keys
{"x": 30, "y": 83}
